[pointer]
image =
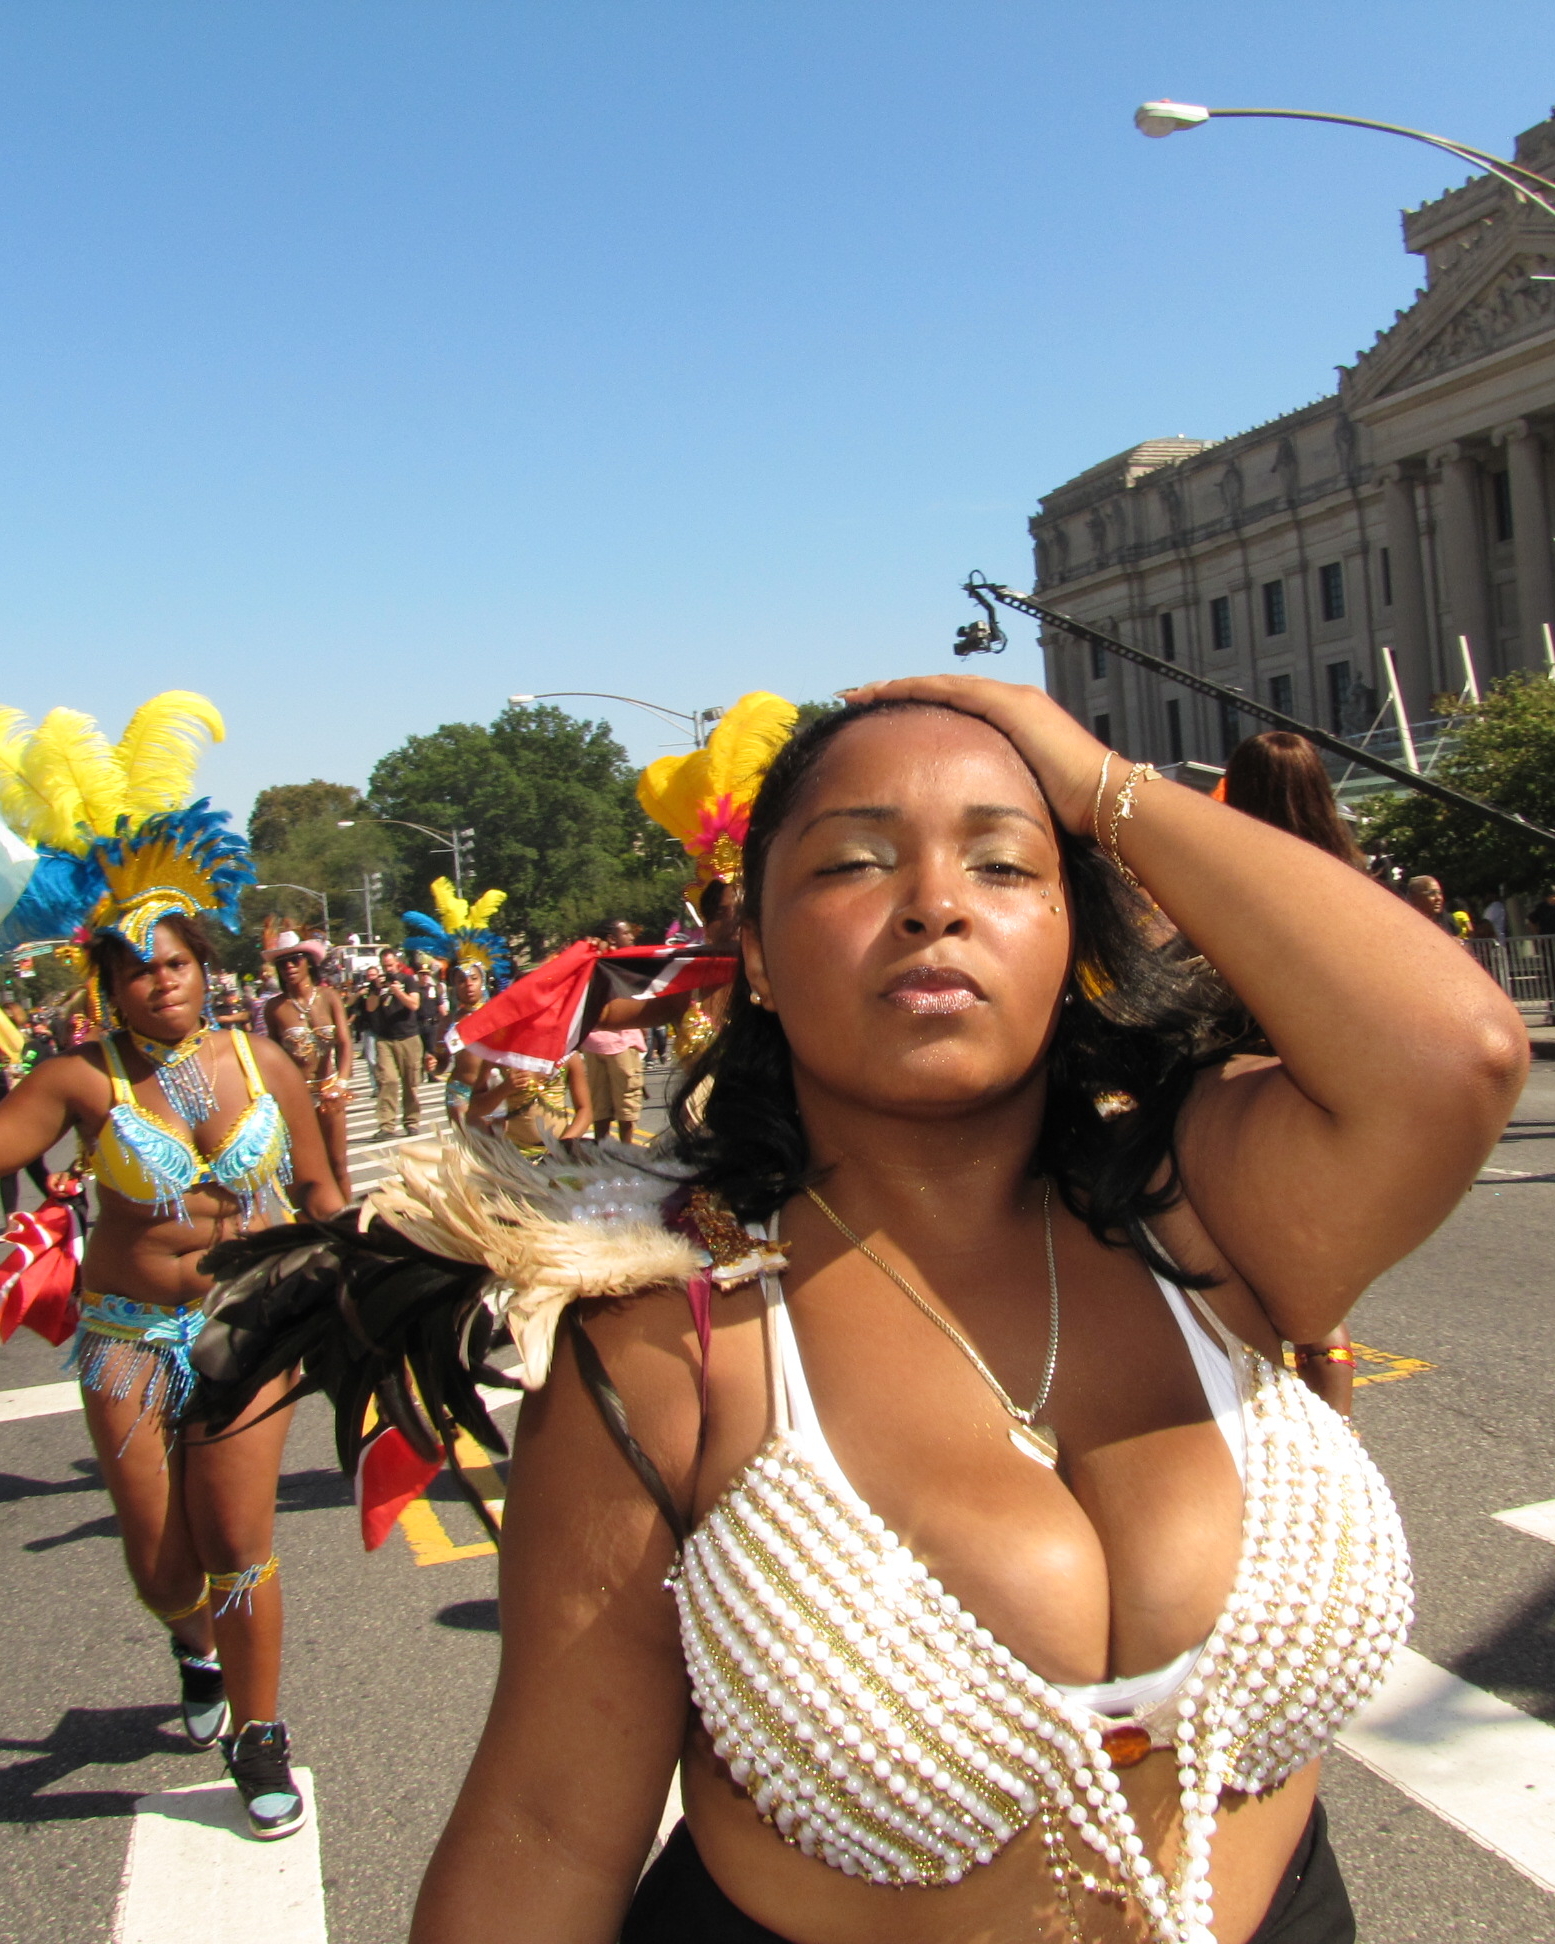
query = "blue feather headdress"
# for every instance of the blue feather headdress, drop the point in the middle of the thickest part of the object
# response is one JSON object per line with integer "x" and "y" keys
{"x": 181, "y": 861}
{"x": 458, "y": 937}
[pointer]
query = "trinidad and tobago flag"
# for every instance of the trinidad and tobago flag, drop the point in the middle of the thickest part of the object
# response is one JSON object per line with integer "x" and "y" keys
{"x": 543, "y": 1017}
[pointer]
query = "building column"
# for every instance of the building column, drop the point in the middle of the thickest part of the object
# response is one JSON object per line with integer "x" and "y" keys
{"x": 1530, "y": 535}
{"x": 1409, "y": 637}
{"x": 1463, "y": 560}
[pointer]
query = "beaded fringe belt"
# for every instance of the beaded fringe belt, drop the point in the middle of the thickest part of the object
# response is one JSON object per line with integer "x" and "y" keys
{"x": 119, "y": 1343}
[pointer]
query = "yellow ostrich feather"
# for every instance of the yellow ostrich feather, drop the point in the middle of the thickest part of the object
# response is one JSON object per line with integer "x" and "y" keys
{"x": 745, "y": 742}
{"x": 458, "y": 914}
{"x": 64, "y": 783}
{"x": 71, "y": 765}
{"x": 22, "y": 804}
{"x": 452, "y": 910}
{"x": 485, "y": 908}
{"x": 162, "y": 747}
{"x": 694, "y": 796}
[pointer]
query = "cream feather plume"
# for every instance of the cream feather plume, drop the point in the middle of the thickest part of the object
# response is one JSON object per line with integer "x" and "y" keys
{"x": 588, "y": 1224}
{"x": 161, "y": 750}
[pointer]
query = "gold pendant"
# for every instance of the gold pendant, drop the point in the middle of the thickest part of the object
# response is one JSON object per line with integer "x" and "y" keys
{"x": 1036, "y": 1441}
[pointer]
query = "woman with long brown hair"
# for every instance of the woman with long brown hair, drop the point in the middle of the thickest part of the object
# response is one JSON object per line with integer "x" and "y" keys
{"x": 1280, "y": 779}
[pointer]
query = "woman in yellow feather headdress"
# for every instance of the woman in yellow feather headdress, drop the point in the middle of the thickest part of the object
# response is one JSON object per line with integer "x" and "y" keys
{"x": 705, "y": 799}
{"x": 189, "y": 1133}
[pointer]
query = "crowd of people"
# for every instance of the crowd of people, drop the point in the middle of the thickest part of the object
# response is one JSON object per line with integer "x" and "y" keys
{"x": 1012, "y": 1071}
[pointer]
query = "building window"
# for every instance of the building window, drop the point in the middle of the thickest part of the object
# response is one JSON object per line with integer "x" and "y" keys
{"x": 1501, "y": 503}
{"x": 1168, "y": 644}
{"x": 1274, "y": 607}
{"x": 1339, "y": 684}
{"x": 1098, "y": 663}
{"x": 1385, "y": 564}
{"x": 1101, "y": 729}
{"x": 1330, "y": 590}
{"x": 1282, "y": 694}
{"x": 1230, "y": 729}
{"x": 1174, "y": 730}
{"x": 1220, "y": 622}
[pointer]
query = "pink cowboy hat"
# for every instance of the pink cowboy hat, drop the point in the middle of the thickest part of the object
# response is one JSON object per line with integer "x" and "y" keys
{"x": 288, "y": 942}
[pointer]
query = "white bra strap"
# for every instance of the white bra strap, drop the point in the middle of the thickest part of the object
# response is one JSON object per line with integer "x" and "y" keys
{"x": 1229, "y": 1338}
{"x": 772, "y": 1310}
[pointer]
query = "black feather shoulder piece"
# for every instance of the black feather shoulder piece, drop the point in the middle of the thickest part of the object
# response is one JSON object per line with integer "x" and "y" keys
{"x": 401, "y": 1303}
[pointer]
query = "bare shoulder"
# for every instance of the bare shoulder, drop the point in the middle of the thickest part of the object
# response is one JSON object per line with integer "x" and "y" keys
{"x": 79, "y": 1079}
{"x": 268, "y": 1057}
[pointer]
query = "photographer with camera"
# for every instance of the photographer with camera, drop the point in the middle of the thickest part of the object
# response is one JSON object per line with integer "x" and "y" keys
{"x": 391, "y": 1012}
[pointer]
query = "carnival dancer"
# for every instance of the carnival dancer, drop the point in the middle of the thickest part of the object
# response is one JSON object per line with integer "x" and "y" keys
{"x": 478, "y": 964}
{"x": 192, "y": 1136}
{"x": 704, "y": 799}
{"x": 534, "y": 1109}
{"x": 308, "y": 1020}
{"x": 1016, "y": 1584}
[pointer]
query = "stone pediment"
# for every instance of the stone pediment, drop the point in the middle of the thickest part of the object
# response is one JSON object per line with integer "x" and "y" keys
{"x": 1488, "y": 301}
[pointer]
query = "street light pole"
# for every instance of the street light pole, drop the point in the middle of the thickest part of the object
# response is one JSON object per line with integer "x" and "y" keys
{"x": 460, "y": 842}
{"x": 282, "y": 884}
{"x": 1161, "y": 118}
{"x": 698, "y": 718}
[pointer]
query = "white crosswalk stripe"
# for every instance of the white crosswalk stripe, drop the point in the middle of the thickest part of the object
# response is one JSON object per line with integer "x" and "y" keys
{"x": 371, "y": 1154}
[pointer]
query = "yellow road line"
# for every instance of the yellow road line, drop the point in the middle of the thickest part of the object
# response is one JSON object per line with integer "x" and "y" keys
{"x": 430, "y": 1541}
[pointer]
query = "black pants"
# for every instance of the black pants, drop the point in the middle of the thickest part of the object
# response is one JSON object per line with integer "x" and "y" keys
{"x": 677, "y": 1902}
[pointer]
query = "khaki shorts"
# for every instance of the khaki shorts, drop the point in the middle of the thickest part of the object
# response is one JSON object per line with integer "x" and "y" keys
{"x": 615, "y": 1084}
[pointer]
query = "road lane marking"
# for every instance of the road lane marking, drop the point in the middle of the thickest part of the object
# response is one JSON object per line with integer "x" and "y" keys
{"x": 39, "y": 1400}
{"x": 430, "y": 1541}
{"x": 1377, "y": 1366}
{"x": 194, "y": 1873}
{"x": 1467, "y": 1756}
{"x": 1538, "y": 1521}
{"x": 1383, "y": 1366}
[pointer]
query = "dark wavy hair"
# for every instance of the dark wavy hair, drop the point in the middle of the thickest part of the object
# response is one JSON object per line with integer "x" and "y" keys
{"x": 1140, "y": 1020}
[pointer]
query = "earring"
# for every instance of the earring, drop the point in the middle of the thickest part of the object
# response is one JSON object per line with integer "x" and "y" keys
{"x": 208, "y": 1011}
{"x": 756, "y": 999}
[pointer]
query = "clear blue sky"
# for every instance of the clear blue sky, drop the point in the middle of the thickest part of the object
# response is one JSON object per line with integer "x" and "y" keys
{"x": 362, "y": 363}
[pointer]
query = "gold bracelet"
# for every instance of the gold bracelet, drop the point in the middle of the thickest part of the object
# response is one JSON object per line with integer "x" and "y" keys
{"x": 1122, "y": 809}
{"x": 1101, "y": 784}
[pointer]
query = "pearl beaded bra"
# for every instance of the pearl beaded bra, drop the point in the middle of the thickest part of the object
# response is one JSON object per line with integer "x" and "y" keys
{"x": 877, "y": 1726}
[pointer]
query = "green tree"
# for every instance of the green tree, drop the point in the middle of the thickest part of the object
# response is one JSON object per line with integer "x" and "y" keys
{"x": 1502, "y": 749}
{"x": 279, "y": 812}
{"x": 557, "y": 825}
{"x": 297, "y": 839}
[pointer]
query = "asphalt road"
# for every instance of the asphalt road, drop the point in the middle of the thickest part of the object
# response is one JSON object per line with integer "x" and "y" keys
{"x": 390, "y": 1660}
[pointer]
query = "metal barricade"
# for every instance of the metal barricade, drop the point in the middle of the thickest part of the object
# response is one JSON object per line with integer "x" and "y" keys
{"x": 1524, "y": 968}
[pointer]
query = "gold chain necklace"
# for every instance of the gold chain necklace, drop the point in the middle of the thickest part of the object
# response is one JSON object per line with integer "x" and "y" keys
{"x": 1028, "y": 1434}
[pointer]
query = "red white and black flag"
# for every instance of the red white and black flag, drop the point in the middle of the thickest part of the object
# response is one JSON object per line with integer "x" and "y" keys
{"x": 544, "y": 1016}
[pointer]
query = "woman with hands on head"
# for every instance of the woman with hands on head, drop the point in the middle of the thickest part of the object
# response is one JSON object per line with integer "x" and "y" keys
{"x": 1003, "y": 1583}
{"x": 191, "y": 1135}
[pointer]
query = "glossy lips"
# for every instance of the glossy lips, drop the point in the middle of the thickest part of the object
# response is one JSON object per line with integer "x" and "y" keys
{"x": 933, "y": 989}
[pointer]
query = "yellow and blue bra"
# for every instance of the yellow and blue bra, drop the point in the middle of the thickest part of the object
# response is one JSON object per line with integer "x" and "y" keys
{"x": 147, "y": 1159}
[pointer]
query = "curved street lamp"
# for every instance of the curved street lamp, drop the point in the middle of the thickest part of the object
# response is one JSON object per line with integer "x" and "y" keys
{"x": 697, "y": 718}
{"x": 1158, "y": 118}
{"x": 307, "y": 890}
{"x": 460, "y": 842}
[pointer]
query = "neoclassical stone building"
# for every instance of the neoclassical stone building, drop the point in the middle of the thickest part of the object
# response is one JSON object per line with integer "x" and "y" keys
{"x": 1410, "y": 507}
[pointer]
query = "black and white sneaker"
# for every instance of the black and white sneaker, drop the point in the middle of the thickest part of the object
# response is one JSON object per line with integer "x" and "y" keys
{"x": 258, "y": 1761}
{"x": 204, "y": 1699}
